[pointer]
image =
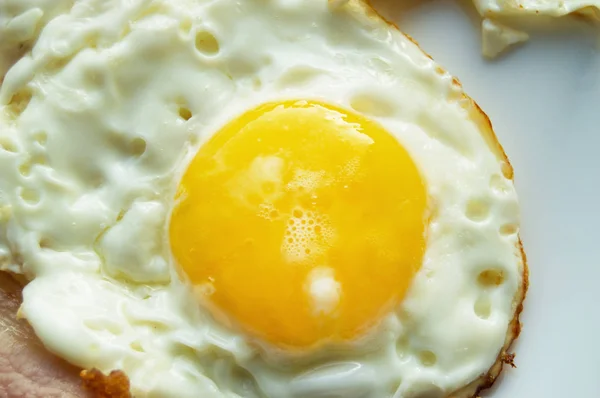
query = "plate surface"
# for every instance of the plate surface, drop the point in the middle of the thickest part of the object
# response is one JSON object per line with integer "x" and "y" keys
{"x": 543, "y": 99}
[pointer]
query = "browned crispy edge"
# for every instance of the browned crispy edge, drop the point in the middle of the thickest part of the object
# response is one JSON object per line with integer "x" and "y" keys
{"x": 476, "y": 114}
{"x": 113, "y": 385}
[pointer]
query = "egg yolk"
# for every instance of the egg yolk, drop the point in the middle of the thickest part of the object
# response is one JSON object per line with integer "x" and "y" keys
{"x": 301, "y": 222}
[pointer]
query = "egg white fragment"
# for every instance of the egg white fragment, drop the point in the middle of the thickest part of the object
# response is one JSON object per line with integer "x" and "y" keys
{"x": 497, "y": 36}
{"x": 99, "y": 121}
{"x": 552, "y": 8}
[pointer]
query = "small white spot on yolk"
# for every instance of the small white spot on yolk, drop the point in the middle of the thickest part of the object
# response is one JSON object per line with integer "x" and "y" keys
{"x": 324, "y": 291}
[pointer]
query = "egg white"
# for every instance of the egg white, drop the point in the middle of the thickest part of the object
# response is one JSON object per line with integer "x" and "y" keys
{"x": 551, "y": 8}
{"x": 505, "y": 22}
{"x": 95, "y": 134}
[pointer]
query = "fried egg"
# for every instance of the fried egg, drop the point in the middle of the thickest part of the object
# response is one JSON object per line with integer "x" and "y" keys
{"x": 280, "y": 198}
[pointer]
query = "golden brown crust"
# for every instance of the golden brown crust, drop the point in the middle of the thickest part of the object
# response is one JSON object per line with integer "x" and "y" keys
{"x": 113, "y": 385}
{"x": 509, "y": 359}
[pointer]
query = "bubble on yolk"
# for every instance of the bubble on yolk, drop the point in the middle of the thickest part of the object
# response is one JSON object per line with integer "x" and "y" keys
{"x": 301, "y": 222}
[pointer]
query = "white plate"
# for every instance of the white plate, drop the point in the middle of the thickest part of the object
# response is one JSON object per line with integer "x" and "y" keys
{"x": 544, "y": 102}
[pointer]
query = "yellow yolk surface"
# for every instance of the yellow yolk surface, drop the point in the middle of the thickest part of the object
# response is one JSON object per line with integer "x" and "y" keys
{"x": 301, "y": 222}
